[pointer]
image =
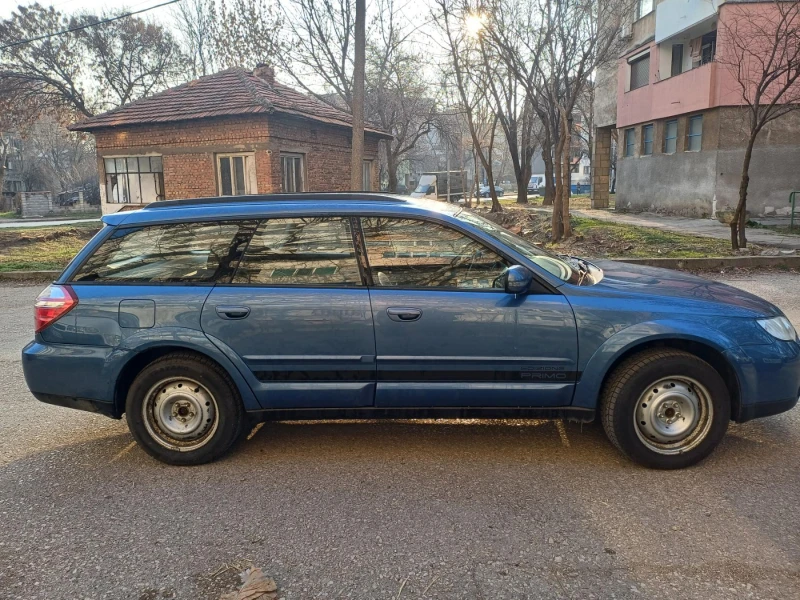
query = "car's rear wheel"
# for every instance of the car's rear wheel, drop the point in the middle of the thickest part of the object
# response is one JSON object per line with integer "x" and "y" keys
{"x": 665, "y": 408}
{"x": 183, "y": 409}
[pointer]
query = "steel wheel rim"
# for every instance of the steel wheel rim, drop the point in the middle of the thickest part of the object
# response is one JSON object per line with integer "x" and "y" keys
{"x": 673, "y": 415}
{"x": 180, "y": 414}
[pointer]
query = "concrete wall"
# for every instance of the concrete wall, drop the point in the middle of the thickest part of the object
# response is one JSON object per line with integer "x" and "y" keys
{"x": 41, "y": 204}
{"x": 680, "y": 183}
{"x": 687, "y": 183}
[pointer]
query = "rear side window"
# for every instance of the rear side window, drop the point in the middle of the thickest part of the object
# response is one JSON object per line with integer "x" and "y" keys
{"x": 301, "y": 252}
{"x": 181, "y": 252}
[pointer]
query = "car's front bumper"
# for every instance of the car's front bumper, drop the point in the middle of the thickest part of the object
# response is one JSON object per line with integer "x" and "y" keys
{"x": 769, "y": 380}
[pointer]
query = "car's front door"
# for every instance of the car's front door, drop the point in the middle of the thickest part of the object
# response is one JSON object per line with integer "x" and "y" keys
{"x": 298, "y": 316}
{"x": 446, "y": 335}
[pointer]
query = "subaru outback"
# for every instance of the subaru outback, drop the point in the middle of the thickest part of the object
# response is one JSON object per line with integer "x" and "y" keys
{"x": 196, "y": 318}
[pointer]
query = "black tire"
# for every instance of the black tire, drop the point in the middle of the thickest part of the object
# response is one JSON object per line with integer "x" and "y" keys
{"x": 632, "y": 380}
{"x": 228, "y": 417}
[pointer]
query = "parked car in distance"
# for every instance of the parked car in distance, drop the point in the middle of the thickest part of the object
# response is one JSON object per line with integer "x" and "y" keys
{"x": 442, "y": 185}
{"x": 195, "y": 318}
{"x": 485, "y": 191}
{"x": 536, "y": 185}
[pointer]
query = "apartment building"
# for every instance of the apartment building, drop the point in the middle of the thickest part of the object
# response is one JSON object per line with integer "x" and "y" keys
{"x": 679, "y": 119}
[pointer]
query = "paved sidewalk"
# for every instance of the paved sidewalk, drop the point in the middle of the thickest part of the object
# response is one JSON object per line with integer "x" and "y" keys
{"x": 25, "y": 223}
{"x": 701, "y": 227}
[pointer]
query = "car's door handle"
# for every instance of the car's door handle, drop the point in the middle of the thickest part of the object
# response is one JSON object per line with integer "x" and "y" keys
{"x": 233, "y": 312}
{"x": 404, "y": 314}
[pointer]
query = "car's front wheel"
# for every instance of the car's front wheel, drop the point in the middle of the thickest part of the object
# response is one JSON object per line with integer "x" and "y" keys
{"x": 183, "y": 409}
{"x": 665, "y": 408}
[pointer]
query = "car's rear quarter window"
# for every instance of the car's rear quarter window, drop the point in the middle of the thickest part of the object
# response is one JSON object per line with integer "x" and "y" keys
{"x": 181, "y": 252}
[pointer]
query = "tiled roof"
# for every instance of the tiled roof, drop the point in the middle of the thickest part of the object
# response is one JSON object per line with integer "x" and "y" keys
{"x": 227, "y": 93}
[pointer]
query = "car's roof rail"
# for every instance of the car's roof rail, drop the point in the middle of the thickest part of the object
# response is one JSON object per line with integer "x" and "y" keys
{"x": 286, "y": 197}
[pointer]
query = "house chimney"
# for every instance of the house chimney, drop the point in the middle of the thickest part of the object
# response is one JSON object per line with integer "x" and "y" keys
{"x": 265, "y": 72}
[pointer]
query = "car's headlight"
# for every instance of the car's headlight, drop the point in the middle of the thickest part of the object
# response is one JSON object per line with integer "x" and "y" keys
{"x": 779, "y": 327}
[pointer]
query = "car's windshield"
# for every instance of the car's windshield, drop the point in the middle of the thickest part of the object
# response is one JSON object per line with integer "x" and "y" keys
{"x": 424, "y": 188}
{"x": 551, "y": 263}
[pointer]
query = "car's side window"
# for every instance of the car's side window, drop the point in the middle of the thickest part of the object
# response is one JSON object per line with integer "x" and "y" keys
{"x": 411, "y": 253}
{"x": 180, "y": 252}
{"x": 301, "y": 251}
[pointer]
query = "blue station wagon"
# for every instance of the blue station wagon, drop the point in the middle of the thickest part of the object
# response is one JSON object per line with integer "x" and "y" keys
{"x": 195, "y": 318}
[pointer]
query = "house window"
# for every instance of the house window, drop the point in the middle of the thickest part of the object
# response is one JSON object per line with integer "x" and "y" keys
{"x": 630, "y": 141}
{"x": 677, "y": 60}
{"x": 236, "y": 174}
{"x": 293, "y": 175}
{"x": 644, "y": 8}
{"x": 134, "y": 179}
{"x": 708, "y": 47}
{"x": 640, "y": 72}
{"x": 575, "y": 168}
{"x": 647, "y": 140}
{"x": 366, "y": 176}
{"x": 695, "y": 135}
{"x": 671, "y": 137}
{"x": 587, "y": 170}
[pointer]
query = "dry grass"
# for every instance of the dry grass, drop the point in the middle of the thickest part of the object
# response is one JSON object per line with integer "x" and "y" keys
{"x": 42, "y": 248}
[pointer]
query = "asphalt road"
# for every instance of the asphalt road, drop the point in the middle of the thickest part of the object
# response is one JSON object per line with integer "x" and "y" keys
{"x": 501, "y": 510}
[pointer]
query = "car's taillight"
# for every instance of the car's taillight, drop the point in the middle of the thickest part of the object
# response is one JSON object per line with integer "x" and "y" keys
{"x": 53, "y": 303}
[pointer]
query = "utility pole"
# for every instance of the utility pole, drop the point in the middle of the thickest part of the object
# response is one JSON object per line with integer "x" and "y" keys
{"x": 359, "y": 61}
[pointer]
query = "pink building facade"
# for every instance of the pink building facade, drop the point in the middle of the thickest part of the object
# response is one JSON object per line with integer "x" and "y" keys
{"x": 675, "y": 109}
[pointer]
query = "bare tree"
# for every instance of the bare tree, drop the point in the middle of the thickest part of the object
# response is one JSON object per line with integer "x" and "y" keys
{"x": 322, "y": 35}
{"x": 468, "y": 80}
{"x": 194, "y": 20}
{"x": 398, "y": 98}
{"x": 17, "y": 115}
{"x": 55, "y": 158}
{"x": 246, "y": 33}
{"x": 129, "y": 58}
{"x": 94, "y": 69}
{"x": 761, "y": 49}
{"x": 51, "y": 70}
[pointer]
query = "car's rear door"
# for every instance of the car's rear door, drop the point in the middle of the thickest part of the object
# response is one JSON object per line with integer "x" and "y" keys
{"x": 446, "y": 336}
{"x": 298, "y": 316}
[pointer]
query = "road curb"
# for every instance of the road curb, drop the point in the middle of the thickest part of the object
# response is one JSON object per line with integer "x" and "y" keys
{"x": 722, "y": 262}
{"x": 28, "y": 275}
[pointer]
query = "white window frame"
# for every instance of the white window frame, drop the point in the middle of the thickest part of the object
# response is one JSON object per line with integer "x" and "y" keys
{"x": 124, "y": 193}
{"x": 249, "y": 161}
{"x": 294, "y": 156}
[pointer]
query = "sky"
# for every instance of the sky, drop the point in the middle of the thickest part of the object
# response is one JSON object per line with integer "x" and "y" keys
{"x": 68, "y": 6}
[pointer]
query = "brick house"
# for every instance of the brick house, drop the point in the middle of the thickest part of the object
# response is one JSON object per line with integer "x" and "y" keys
{"x": 231, "y": 133}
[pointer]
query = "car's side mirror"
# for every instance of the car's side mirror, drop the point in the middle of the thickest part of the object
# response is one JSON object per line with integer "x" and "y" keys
{"x": 517, "y": 280}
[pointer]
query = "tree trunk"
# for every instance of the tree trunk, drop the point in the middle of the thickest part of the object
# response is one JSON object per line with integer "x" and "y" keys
{"x": 549, "y": 171}
{"x": 391, "y": 170}
{"x": 567, "y": 175}
{"x": 359, "y": 61}
{"x": 522, "y": 183}
{"x": 739, "y": 221}
{"x": 557, "y": 223}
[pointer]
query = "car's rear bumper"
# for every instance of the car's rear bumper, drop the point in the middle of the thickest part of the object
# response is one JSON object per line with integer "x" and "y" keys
{"x": 71, "y": 375}
{"x": 87, "y": 404}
